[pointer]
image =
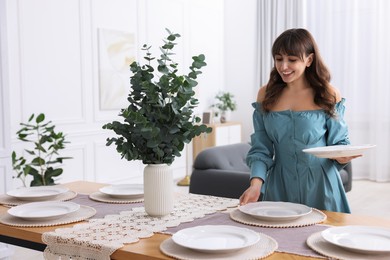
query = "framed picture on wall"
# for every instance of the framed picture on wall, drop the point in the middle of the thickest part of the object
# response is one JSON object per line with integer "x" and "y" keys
{"x": 116, "y": 53}
{"x": 206, "y": 118}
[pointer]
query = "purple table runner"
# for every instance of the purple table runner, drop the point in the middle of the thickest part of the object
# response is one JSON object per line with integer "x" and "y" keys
{"x": 102, "y": 208}
{"x": 290, "y": 240}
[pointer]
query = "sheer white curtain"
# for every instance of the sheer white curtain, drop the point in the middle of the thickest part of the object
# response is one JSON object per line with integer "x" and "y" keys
{"x": 353, "y": 36}
{"x": 274, "y": 18}
{"x": 354, "y": 39}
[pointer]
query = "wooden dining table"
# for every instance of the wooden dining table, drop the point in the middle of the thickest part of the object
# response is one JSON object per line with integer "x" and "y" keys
{"x": 148, "y": 248}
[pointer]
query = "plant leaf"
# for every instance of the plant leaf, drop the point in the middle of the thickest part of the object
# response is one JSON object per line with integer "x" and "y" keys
{"x": 40, "y": 118}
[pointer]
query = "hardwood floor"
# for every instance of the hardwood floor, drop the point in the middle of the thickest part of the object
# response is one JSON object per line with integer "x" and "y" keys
{"x": 366, "y": 198}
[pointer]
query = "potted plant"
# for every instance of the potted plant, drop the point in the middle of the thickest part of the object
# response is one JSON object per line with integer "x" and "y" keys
{"x": 159, "y": 120}
{"x": 46, "y": 143}
{"x": 225, "y": 103}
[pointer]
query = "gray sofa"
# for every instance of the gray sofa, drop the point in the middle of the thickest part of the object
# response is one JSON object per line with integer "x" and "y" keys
{"x": 221, "y": 171}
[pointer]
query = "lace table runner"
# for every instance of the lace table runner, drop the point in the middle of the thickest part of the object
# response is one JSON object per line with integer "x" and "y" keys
{"x": 99, "y": 238}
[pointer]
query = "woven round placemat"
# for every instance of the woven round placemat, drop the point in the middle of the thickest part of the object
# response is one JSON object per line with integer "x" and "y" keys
{"x": 313, "y": 218}
{"x": 12, "y": 201}
{"x": 99, "y": 196}
{"x": 262, "y": 249}
{"x": 321, "y": 246}
{"x": 83, "y": 213}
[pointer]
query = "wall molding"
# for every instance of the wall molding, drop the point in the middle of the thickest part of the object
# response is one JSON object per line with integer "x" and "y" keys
{"x": 75, "y": 77}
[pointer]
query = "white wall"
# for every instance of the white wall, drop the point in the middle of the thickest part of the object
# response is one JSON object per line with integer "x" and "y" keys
{"x": 53, "y": 68}
{"x": 5, "y": 142}
{"x": 241, "y": 68}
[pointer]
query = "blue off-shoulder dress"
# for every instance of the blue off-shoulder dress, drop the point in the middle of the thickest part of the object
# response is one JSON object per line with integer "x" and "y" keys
{"x": 289, "y": 174}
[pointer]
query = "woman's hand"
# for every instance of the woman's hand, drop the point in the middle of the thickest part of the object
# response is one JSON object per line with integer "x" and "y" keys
{"x": 345, "y": 160}
{"x": 252, "y": 194}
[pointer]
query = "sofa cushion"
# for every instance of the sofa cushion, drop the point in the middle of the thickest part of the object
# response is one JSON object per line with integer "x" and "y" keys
{"x": 225, "y": 157}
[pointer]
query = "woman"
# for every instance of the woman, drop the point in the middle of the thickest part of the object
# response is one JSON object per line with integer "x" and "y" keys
{"x": 297, "y": 109}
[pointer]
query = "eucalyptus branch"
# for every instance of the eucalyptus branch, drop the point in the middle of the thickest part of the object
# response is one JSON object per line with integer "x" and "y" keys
{"x": 158, "y": 121}
{"x": 47, "y": 143}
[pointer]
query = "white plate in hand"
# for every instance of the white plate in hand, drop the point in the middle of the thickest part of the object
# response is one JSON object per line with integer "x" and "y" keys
{"x": 360, "y": 239}
{"x": 334, "y": 151}
{"x": 45, "y": 210}
{"x": 275, "y": 210}
{"x": 37, "y": 193}
{"x": 124, "y": 191}
{"x": 216, "y": 238}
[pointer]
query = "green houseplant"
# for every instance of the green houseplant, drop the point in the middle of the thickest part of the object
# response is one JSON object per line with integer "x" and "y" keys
{"x": 225, "y": 103}
{"x": 159, "y": 119}
{"x": 46, "y": 145}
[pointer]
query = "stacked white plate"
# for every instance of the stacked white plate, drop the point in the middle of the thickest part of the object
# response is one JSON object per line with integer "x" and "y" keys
{"x": 44, "y": 210}
{"x": 359, "y": 239}
{"x": 335, "y": 151}
{"x": 276, "y": 211}
{"x": 38, "y": 193}
{"x": 216, "y": 238}
{"x": 124, "y": 191}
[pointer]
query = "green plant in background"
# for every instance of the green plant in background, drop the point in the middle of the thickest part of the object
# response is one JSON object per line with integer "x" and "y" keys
{"x": 46, "y": 144}
{"x": 225, "y": 102}
{"x": 159, "y": 119}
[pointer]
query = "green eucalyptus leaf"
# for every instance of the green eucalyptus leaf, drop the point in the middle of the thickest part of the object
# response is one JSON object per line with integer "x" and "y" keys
{"x": 40, "y": 118}
{"x": 31, "y": 171}
{"x": 37, "y": 182}
{"x": 50, "y": 172}
{"x": 31, "y": 118}
{"x": 163, "y": 69}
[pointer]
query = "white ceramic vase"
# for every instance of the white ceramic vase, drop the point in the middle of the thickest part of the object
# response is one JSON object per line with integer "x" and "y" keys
{"x": 158, "y": 189}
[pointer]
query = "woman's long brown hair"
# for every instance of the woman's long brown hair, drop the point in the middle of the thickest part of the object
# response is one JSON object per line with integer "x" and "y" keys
{"x": 299, "y": 42}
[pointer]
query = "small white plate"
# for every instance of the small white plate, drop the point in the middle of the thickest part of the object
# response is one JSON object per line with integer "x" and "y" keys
{"x": 216, "y": 238}
{"x": 37, "y": 193}
{"x": 335, "y": 151}
{"x": 360, "y": 239}
{"x": 124, "y": 191}
{"x": 43, "y": 210}
{"x": 275, "y": 210}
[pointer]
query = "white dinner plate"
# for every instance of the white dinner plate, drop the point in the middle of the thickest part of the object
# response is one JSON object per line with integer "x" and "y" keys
{"x": 44, "y": 210}
{"x": 124, "y": 191}
{"x": 275, "y": 210}
{"x": 37, "y": 193}
{"x": 335, "y": 151}
{"x": 216, "y": 238}
{"x": 360, "y": 239}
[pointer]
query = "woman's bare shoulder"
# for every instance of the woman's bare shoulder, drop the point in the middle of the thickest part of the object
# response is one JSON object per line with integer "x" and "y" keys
{"x": 261, "y": 94}
{"x": 335, "y": 92}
